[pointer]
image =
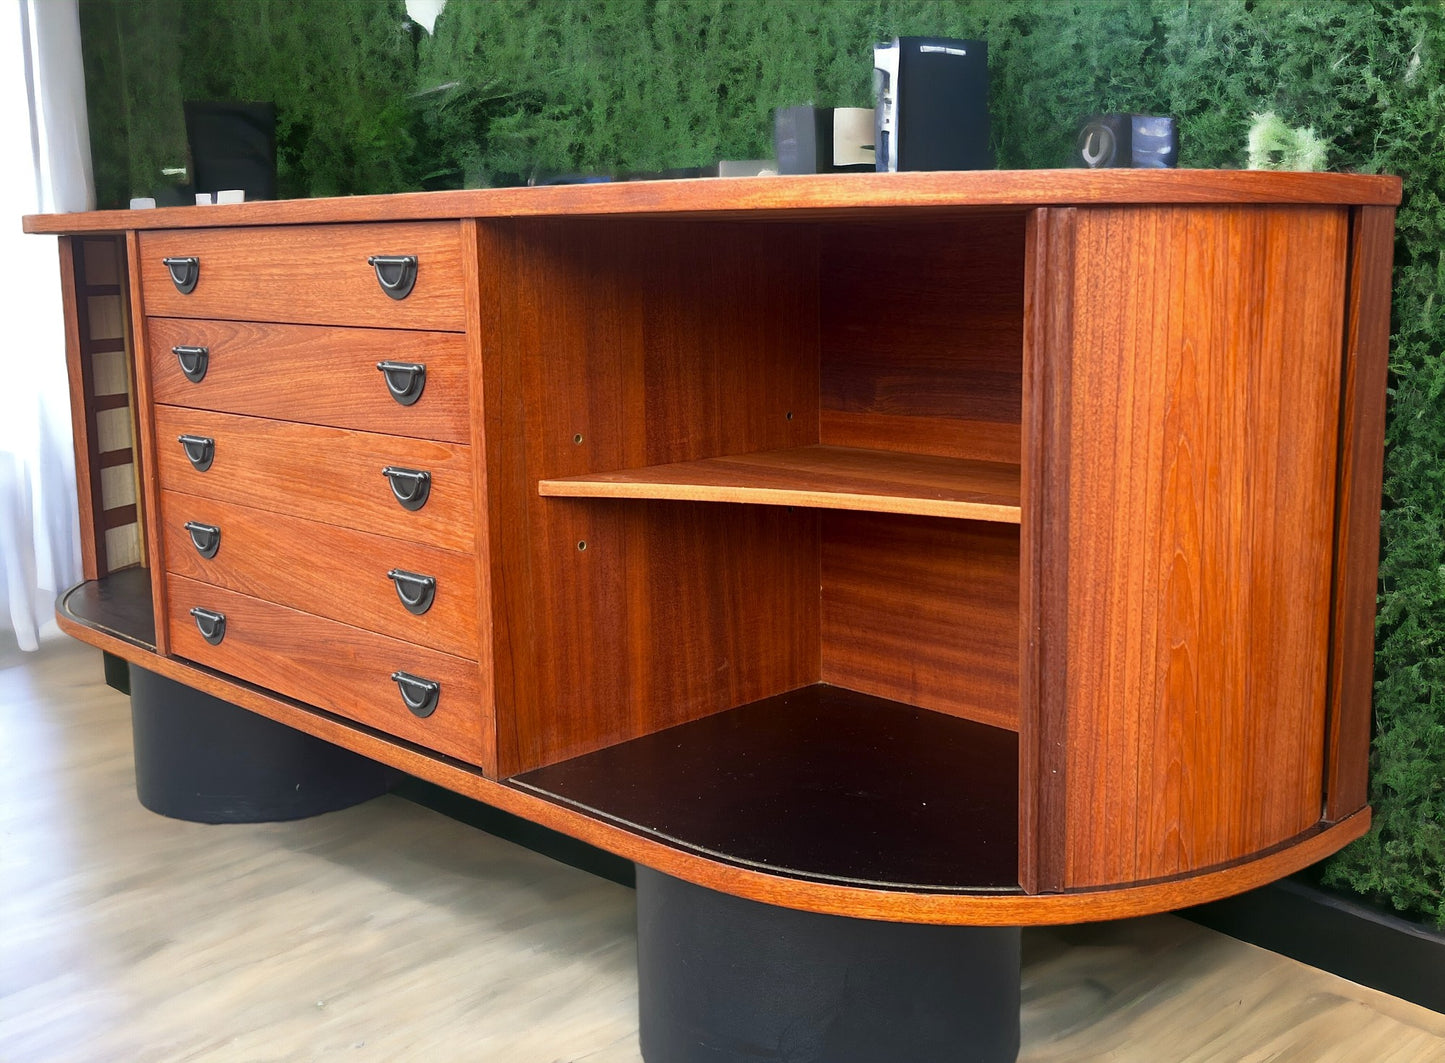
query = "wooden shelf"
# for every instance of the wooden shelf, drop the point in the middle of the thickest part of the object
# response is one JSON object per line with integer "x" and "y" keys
{"x": 821, "y": 783}
{"x": 821, "y": 477}
{"x": 118, "y": 604}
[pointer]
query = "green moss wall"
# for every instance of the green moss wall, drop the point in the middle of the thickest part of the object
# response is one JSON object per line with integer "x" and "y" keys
{"x": 510, "y": 89}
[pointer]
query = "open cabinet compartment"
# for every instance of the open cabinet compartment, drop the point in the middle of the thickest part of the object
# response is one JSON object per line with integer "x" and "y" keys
{"x": 772, "y": 514}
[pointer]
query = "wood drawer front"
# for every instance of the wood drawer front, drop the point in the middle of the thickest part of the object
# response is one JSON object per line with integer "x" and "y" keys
{"x": 327, "y": 474}
{"x": 309, "y": 274}
{"x": 333, "y": 572}
{"x": 315, "y": 374}
{"x": 333, "y": 666}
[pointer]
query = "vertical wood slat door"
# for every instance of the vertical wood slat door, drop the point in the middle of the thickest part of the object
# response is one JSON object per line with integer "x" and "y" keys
{"x": 1190, "y": 487}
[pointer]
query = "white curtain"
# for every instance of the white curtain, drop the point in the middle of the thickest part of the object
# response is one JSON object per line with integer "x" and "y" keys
{"x": 46, "y": 167}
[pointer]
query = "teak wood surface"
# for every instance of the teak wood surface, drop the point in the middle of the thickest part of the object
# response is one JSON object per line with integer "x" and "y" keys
{"x": 330, "y": 475}
{"x": 1198, "y": 531}
{"x": 819, "y": 477}
{"x": 318, "y": 275}
{"x": 315, "y": 375}
{"x": 334, "y": 666}
{"x": 809, "y": 196}
{"x": 328, "y": 570}
{"x": 1177, "y": 382}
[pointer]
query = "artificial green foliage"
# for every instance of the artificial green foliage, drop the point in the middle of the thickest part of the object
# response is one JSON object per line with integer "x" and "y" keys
{"x": 1273, "y": 145}
{"x": 511, "y": 90}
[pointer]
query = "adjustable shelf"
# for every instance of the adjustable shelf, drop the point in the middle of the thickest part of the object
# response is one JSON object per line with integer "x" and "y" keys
{"x": 821, "y": 477}
{"x": 796, "y": 785}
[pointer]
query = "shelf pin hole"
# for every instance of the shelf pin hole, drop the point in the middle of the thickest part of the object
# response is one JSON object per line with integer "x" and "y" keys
{"x": 582, "y": 544}
{"x": 577, "y": 439}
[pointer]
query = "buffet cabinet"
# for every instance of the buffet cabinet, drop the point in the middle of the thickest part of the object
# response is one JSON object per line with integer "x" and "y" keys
{"x": 986, "y": 548}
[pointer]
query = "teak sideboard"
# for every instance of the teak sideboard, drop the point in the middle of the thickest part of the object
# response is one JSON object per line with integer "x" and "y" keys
{"x": 984, "y": 548}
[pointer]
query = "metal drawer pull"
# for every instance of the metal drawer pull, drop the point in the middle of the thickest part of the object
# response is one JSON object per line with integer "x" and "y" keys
{"x": 416, "y": 592}
{"x": 194, "y": 362}
{"x": 395, "y": 273}
{"x": 206, "y": 538}
{"x": 212, "y": 626}
{"x": 419, "y": 695}
{"x": 201, "y": 450}
{"x": 405, "y": 380}
{"x": 410, "y": 486}
{"x": 185, "y": 272}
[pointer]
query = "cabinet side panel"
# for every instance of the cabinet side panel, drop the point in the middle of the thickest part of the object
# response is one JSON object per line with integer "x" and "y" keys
{"x": 631, "y": 343}
{"x": 1362, "y": 446}
{"x": 921, "y": 335}
{"x": 1203, "y": 415}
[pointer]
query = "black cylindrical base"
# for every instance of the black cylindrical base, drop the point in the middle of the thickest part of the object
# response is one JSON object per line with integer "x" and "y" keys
{"x": 726, "y": 980}
{"x": 202, "y": 759}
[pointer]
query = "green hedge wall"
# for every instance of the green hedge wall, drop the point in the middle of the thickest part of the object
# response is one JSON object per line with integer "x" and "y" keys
{"x": 512, "y": 89}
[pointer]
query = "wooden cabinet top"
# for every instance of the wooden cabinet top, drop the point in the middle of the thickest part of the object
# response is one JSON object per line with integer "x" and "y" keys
{"x": 762, "y": 197}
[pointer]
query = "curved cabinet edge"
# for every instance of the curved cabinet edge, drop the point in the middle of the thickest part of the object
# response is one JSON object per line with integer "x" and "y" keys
{"x": 973, "y": 909}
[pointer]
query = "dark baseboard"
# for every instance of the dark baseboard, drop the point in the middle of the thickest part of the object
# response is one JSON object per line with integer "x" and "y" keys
{"x": 518, "y": 831}
{"x": 1337, "y": 934}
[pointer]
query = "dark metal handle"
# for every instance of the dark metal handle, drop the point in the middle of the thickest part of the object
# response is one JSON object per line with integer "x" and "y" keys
{"x": 416, "y": 592}
{"x": 194, "y": 362}
{"x": 418, "y": 694}
{"x": 206, "y": 538}
{"x": 405, "y": 380}
{"x": 411, "y": 487}
{"x": 185, "y": 272}
{"x": 212, "y": 626}
{"x": 201, "y": 450}
{"x": 395, "y": 273}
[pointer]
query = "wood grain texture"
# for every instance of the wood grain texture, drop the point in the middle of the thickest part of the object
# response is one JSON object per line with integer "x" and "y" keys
{"x": 335, "y": 667}
{"x": 327, "y": 474}
{"x": 1357, "y": 532}
{"x": 797, "y": 197}
{"x": 1203, "y": 400}
{"x": 1044, "y": 548}
{"x": 921, "y": 336}
{"x": 923, "y": 611}
{"x": 325, "y": 569}
{"x": 87, "y": 481}
{"x": 617, "y": 345}
{"x": 867, "y": 903}
{"x": 479, "y": 287}
{"x": 145, "y": 416}
{"x": 315, "y": 275}
{"x": 819, "y": 477}
{"x": 316, "y": 375}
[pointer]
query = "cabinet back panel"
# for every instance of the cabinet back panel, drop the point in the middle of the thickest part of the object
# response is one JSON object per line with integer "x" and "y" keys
{"x": 921, "y": 332}
{"x": 923, "y": 610}
{"x": 612, "y": 344}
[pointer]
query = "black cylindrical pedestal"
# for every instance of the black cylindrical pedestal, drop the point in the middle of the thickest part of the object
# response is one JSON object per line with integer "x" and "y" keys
{"x": 726, "y": 980}
{"x": 202, "y": 759}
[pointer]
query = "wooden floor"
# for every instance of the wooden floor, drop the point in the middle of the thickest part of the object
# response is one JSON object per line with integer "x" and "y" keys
{"x": 388, "y": 932}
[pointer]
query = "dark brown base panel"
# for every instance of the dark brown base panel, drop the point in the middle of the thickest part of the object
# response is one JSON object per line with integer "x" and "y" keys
{"x": 792, "y": 785}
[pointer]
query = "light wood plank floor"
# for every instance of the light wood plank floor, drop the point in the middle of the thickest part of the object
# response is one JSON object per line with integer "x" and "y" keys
{"x": 388, "y": 933}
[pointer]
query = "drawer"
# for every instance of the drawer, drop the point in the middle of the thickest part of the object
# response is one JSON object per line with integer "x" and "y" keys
{"x": 307, "y": 274}
{"x": 327, "y": 474}
{"x": 315, "y": 374}
{"x": 335, "y": 667}
{"x": 333, "y": 572}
